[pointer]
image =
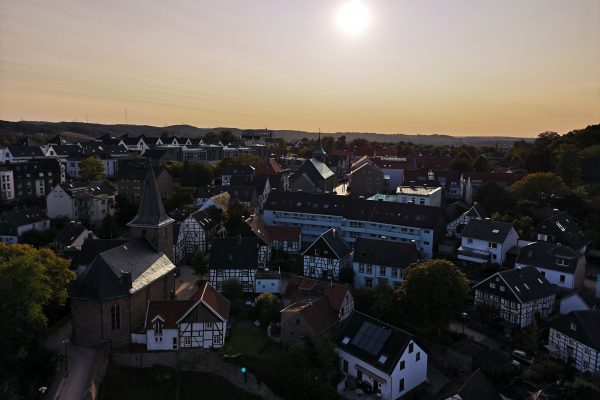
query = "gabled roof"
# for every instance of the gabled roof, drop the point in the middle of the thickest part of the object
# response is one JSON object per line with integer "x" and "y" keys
{"x": 25, "y": 151}
{"x": 385, "y": 252}
{"x": 486, "y": 229}
{"x": 520, "y": 284}
{"x": 151, "y": 212}
{"x": 314, "y": 169}
{"x": 372, "y": 341}
{"x": 269, "y": 167}
{"x": 234, "y": 253}
{"x": 316, "y": 312}
{"x": 208, "y": 217}
{"x": 565, "y": 230}
{"x": 88, "y": 189}
{"x": 23, "y": 216}
{"x": 209, "y": 191}
{"x": 91, "y": 248}
{"x": 69, "y": 233}
{"x": 245, "y": 194}
{"x": 477, "y": 387}
{"x": 213, "y": 299}
{"x": 586, "y": 324}
{"x": 237, "y": 170}
{"x": 299, "y": 287}
{"x": 121, "y": 271}
{"x": 334, "y": 241}
{"x": 545, "y": 255}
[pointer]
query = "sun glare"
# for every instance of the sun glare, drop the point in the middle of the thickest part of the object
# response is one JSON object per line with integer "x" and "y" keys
{"x": 353, "y": 17}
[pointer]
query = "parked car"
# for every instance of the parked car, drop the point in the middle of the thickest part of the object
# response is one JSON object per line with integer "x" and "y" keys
{"x": 522, "y": 357}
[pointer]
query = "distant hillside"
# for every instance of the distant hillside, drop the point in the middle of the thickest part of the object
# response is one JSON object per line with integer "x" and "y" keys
{"x": 85, "y": 131}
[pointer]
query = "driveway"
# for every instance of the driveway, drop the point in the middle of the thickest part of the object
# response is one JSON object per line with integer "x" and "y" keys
{"x": 475, "y": 336}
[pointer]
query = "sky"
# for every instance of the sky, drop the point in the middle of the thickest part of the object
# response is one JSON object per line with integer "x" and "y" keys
{"x": 460, "y": 67}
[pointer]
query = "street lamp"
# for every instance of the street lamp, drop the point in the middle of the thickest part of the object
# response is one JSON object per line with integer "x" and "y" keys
{"x": 244, "y": 371}
{"x": 66, "y": 342}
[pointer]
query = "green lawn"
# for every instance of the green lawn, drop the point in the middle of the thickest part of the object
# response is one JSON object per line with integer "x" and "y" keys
{"x": 249, "y": 340}
{"x": 160, "y": 383}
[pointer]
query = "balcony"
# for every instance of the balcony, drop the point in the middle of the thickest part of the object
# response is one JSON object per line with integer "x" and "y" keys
{"x": 474, "y": 255}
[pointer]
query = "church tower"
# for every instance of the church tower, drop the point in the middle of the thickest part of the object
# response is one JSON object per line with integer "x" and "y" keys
{"x": 319, "y": 153}
{"x": 151, "y": 221}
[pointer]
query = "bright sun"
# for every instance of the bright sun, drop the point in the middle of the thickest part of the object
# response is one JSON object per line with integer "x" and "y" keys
{"x": 353, "y": 17}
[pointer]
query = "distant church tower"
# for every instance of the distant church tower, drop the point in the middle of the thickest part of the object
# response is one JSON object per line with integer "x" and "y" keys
{"x": 318, "y": 153}
{"x": 151, "y": 221}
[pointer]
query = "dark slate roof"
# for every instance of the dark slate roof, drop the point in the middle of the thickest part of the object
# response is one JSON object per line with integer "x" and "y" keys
{"x": 245, "y": 194}
{"x": 91, "y": 248}
{"x": 234, "y": 253}
{"x": 314, "y": 169}
{"x": 209, "y": 191}
{"x": 242, "y": 180}
{"x": 478, "y": 387}
{"x": 319, "y": 151}
{"x": 25, "y": 151}
{"x": 393, "y": 347}
{"x": 69, "y": 233}
{"x": 385, "y": 252}
{"x": 23, "y": 216}
{"x": 520, "y": 284}
{"x": 565, "y": 230}
{"x": 151, "y": 211}
{"x": 334, "y": 241}
{"x": 208, "y": 218}
{"x": 545, "y": 255}
{"x": 260, "y": 182}
{"x": 486, "y": 229}
{"x": 67, "y": 149}
{"x": 87, "y": 189}
{"x": 237, "y": 170}
{"x": 120, "y": 271}
{"x": 385, "y": 212}
{"x": 587, "y": 327}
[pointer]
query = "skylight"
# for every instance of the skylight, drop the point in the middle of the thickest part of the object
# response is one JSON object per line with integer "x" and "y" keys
{"x": 346, "y": 340}
{"x": 382, "y": 359}
{"x": 495, "y": 231}
{"x": 526, "y": 287}
{"x": 517, "y": 289}
{"x": 540, "y": 281}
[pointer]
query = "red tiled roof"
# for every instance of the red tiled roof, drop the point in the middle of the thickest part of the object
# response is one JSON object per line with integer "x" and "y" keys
{"x": 287, "y": 233}
{"x": 299, "y": 287}
{"x": 213, "y": 299}
{"x": 492, "y": 176}
{"x": 169, "y": 310}
{"x": 434, "y": 162}
{"x": 269, "y": 167}
{"x": 318, "y": 315}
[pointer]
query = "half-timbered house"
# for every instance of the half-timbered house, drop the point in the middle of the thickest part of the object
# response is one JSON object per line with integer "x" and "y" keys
{"x": 199, "y": 322}
{"x": 234, "y": 258}
{"x": 327, "y": 256}
{"x": 518, "y": 295}
{"x": 197, "y": 231}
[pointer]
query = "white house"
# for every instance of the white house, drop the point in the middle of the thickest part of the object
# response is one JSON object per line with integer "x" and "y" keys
{"x": 82, "y": 201}
{"x": 379, "y": 358}
{"x": 16, "y": 222}
{"x": 7, "y": 184}
{"x": 268, "y": 280}
{"x": 381, "y": 261}
{"x": 517, "y": 294}
{"x": 327, "y": 256}
{"x": 561, "y": 265}
{"x": 74, "y": 165}
{"x": 197, "y": 231}
{"x": 575, "y": 337}
{"x": 200, "y": 322}
{"x": 487, "y": 241}
{"x": 315, "y": 213}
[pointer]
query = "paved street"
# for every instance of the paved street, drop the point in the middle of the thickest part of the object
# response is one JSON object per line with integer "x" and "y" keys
{"x": 474, "y": 335}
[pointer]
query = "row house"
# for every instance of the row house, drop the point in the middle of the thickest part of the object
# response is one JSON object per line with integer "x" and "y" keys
{"x": 197, "y": 231}
{"x": 17, "y": 153}
{"x": 327, "y": 256}
{"x": 82, "y": 201}
{"x": 379, "y": 357}
{"x": 14, "y": 223}
{"x": 519, "y": 295}
{"x": 381, "y": 261}
{"x": 313, "y": 308}
{"x": 486, "y": 241}
{"x": 109, "y": 163}
{"x": 279, "y": 238}
{"x": 234, "y": 258}
{"x": 136, "y": 144}
{"x": 197, "y": 323}
{"x": 354, "y": 218}
{"x": 561, "y": 265}
{"x": 30, "y": 180}
{"x": 575, "y": 338}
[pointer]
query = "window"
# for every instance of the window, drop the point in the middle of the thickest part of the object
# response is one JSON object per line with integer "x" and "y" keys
{"x": 361, "y": 268}
{"x": 217, "y": 340}
{"x": 369, "y": 269}
{"x": 316, "y": 252}
{"x": 402, "y": 365}
{"x": 562, "y": 278}
{"x": 585, "y": 365}
{"x": 382, "y": 271}
{"x": 174, "y": 343}
{"x": 418, "y": 356}
{"x": 493, "y": 245}
{"x": 492, "y": 285}
{"x": 395, "y": 272}
{"x": 115, "y": 317}
{"x": 470, "y": 241}
{"x": 401, "y": 385}
{"x": 410, "y": 347}
{"x": 187, "y": 341}
{"x": 369, "y": 283}
{"x": 345, "y": 366}
{"x": 208, "y": 325}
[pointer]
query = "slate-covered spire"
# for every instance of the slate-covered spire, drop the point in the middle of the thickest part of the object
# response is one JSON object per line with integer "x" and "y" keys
{"x": 151, "y": 212}
{"x": 318, "y": 152}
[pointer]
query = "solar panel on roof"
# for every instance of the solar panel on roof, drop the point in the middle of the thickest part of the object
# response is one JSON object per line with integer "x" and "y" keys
{"x": 371, "y": 337}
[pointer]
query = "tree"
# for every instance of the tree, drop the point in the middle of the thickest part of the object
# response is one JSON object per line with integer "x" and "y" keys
{"x": 199, "y": 263}
{"x": 267, "y": 306}
{"x": 539, "y": 187}
{"x": 227, "y": 137}
{"x": 233, "y": 217}
{"x": 125, "y": 209}
{"x": 384, "y": 304}
{"x": 211, "y": 137}
{"x": 91, "y": 169}
{"x": 340, "y": 142}
{"x": 481, "y": 163}
{"x": 242, "y": 159}
{"x": 233, "y": 290}
{"x": 494, "y": 198}
{"x": 567, "y": 163}
{"x": 532, "y": 338}
{"x": 180, "y": 197}
{"x": 582, "y": 389}
{"x": 328, "y": 143}
{"x": 461, "y": 164}
{"x": 108, "y": 228}
{"x": 32, "y": 284}
{"x": 195, "y": 174}
{"x": 347, "y": 275}
{"x": 428, "y": 309}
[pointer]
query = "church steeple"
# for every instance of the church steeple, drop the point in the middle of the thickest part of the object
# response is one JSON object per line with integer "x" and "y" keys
{"x": 318, "y": 152}
{"x": 151, "y": 220}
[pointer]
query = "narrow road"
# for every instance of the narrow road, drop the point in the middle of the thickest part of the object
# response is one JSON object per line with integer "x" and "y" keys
{"x": 474, "y": 335}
